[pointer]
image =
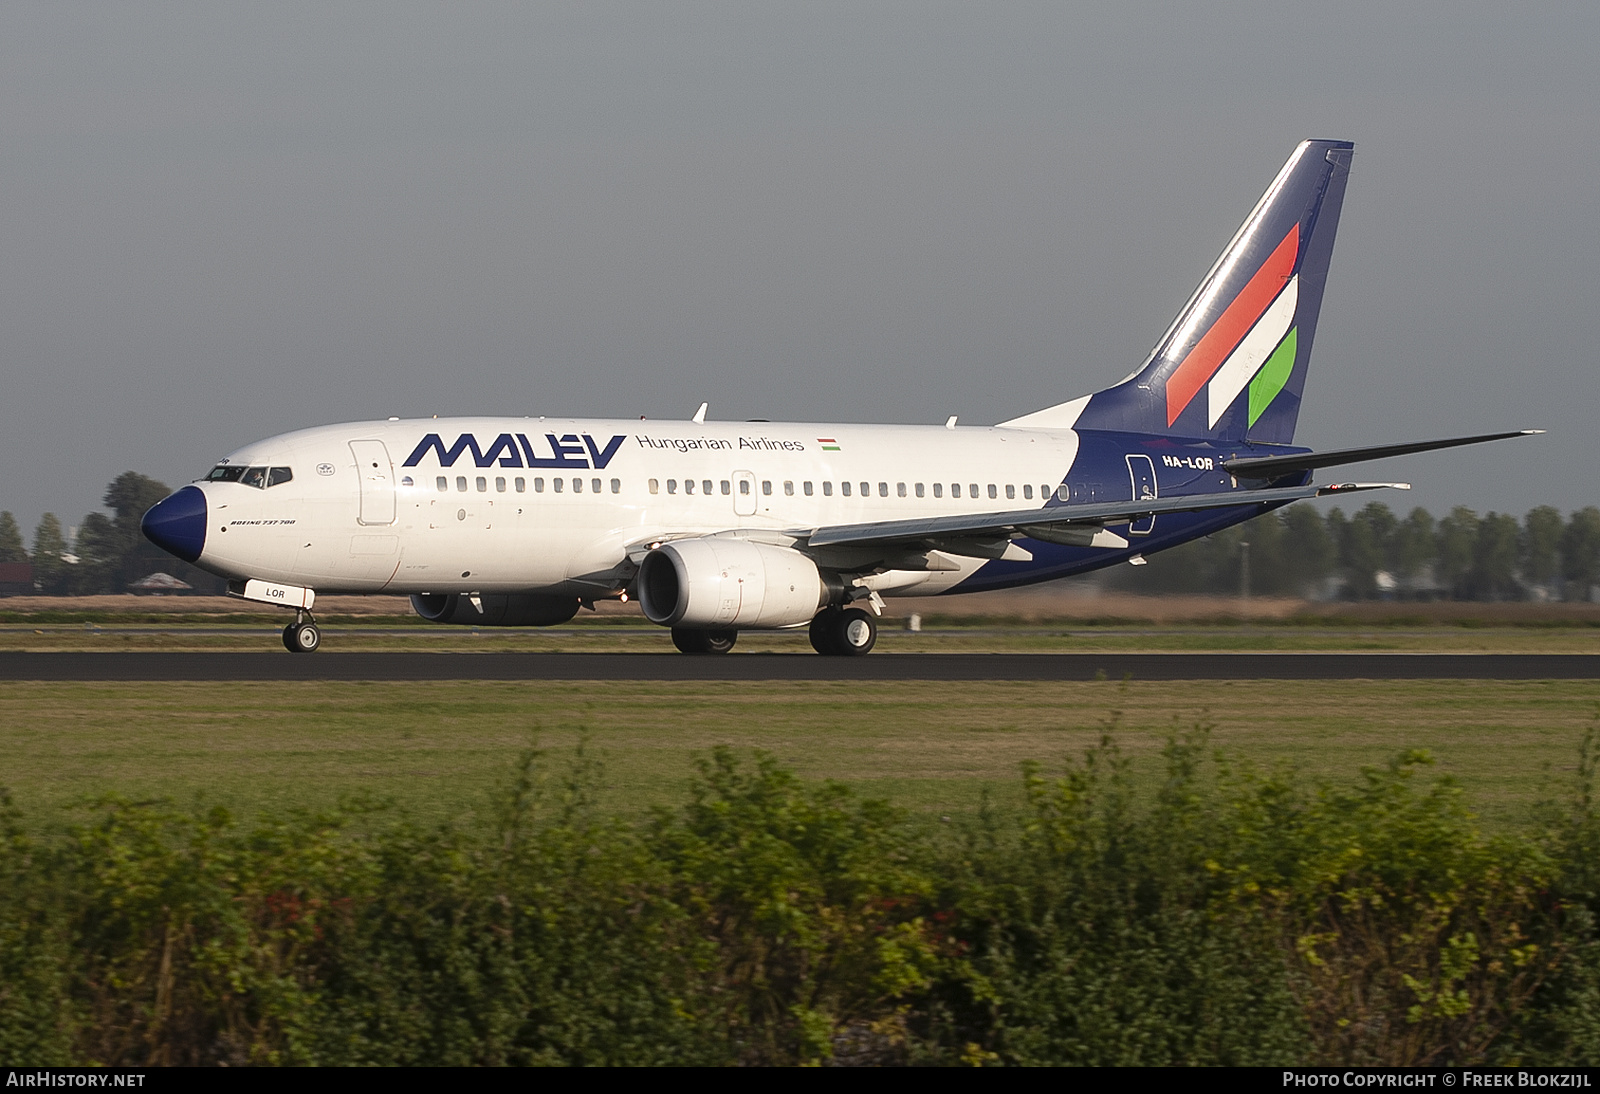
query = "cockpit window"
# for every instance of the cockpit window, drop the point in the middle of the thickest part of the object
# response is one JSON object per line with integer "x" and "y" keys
{"x": 259, "y": 477}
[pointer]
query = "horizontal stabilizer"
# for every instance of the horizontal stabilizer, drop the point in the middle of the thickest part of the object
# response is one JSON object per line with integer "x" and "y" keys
{"x": 1271, "y": 467}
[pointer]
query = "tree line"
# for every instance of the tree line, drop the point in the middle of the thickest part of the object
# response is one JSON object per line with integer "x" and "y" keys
{"x": 1377, "y": 554}
{"x": 1298, "y": 551}
{"x": 108, "y": 553}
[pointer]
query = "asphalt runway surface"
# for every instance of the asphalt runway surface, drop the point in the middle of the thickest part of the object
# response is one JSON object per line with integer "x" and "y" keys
{"x": 399, "y": 667}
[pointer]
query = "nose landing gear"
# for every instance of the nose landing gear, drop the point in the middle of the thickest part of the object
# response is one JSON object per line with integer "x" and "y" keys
{"x": 302, "y": 636}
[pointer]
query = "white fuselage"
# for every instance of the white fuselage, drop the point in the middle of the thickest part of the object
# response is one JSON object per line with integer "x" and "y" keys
{"x": 378, "y": 507}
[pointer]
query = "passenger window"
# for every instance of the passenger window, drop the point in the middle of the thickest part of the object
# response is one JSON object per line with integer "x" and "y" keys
{"x": 672, "y": 486}
{"x": 688, "y": 486}
{"x": 883, "y": 490}
{"x": 255, "y": 476}
{"x": 616, "y": 486}
{"x": 461, "y": 483}
{"x": 919, "y": 490}
{"x": 483, "y": 485}
{"x": 442, "y": 483}
{"x": 594, "y": 486}
{"x": 900, "y": 489}
{"x": 726, "y": 488}
{"x": 705, "y": 487}
{"x": 1062, "y": 492}
{"x": 827, "y": 489}
{"x": 744, "y": 486}
{"x": 766, "y": 487}
{"x": 938, "y": 489}
{"x": 993, "y": 493}
{"x": 558, "y": 485}
{"x": 521, "y": 484}
{"x": 577, "y": 486}
{"x": 955, "y": 490}
{"x": 844, "y": 488}
{"x": 655, "y": 486}
{"x": 499, "y": 485}
{"x": 1011, "y": 491}
{"x": 278, "y": 475}
{"x": 538, "y": 486}
{"x": 788, "y": 488}
{"x": 972, "y": 490}
{"x": 1027, "y": 491}
{"x": 866, "y": 489}
{"x": 806, "y": 486}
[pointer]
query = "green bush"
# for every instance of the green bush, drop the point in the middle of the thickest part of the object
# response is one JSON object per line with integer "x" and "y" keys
{"x": 1219, "y": 914}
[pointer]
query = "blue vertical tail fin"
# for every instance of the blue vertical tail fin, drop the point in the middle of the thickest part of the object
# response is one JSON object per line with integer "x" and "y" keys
{"x": 1233, "y": 364}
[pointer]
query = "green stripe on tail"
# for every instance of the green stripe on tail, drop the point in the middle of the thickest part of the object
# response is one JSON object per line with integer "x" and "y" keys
{"x": 1273, "y": 375}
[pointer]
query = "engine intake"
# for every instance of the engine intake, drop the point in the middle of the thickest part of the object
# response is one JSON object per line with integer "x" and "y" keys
{"x": 499, "y": 609}
{"x": 714, "y": 582}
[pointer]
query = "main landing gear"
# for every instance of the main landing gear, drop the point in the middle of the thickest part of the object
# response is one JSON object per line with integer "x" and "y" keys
{"x": 690, "y": 640}
{"x": 835, "y": 632}
{"x": 843, "y": 632}
{"x": 302, "y": 636}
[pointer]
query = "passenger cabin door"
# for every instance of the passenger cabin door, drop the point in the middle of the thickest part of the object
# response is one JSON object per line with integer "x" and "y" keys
{"x": 744, "y": 494}
{"x": 1142, "y": 473}
{"x": 375, "y": 474}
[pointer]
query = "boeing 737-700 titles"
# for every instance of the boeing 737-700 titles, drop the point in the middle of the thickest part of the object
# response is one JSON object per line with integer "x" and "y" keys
{"x": 716, "y": 528}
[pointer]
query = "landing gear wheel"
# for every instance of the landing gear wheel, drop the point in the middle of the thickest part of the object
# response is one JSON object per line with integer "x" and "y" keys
{"x": 302, "y": 637}
{"x": 857, "y": 633}
{"x": 847, "y": 633}
{"x": 822, "y": 629}
{"x": 689, "y": 640}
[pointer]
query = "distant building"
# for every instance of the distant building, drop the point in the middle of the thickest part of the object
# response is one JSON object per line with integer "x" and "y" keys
{"x": 159, "y": 584}
{"x": 16, "y": 579}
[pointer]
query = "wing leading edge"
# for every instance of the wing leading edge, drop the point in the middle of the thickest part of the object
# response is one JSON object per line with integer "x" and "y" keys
{"x": 1060, "y": 518}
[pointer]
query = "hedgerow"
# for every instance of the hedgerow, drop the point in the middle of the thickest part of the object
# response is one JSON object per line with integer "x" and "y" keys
{"x": 1223, "y": 915}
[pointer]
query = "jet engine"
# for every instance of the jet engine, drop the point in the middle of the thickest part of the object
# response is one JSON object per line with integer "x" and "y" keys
{"x": 717, "y": 582}
{"x": 499, "y": 609}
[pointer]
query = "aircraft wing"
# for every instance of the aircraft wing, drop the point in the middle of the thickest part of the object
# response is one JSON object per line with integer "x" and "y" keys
{"x": 1060, "y": 519}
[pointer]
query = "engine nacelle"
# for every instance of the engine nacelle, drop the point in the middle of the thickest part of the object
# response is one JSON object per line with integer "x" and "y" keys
{"x": 716, "y": 582}
{"x": 499, "y": 609}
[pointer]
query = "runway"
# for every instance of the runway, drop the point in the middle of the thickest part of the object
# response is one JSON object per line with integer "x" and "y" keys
{"x": 401, "y": 667}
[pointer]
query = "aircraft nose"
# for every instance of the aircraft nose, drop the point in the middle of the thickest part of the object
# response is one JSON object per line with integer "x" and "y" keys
{"x": 177, "y": 523}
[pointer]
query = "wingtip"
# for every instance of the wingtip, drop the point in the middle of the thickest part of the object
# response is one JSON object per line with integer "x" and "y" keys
{"x": 1352, "y": 487}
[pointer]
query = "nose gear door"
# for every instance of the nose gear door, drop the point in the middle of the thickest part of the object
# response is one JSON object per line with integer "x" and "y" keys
{"x": 376, "y": 475}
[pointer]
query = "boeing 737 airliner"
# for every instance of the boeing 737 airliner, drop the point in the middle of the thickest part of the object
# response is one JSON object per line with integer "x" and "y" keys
{"x": 716, "y": 528}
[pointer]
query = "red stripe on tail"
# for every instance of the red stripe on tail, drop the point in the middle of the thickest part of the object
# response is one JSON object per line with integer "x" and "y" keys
{"x": 1231, "y": 326}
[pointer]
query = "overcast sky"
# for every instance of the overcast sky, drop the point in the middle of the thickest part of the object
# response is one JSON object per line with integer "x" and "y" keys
{"x": 223, "y": 222}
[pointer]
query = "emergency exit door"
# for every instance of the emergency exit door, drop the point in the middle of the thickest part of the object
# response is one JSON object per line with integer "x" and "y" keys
{"x": 744, "y": 494}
